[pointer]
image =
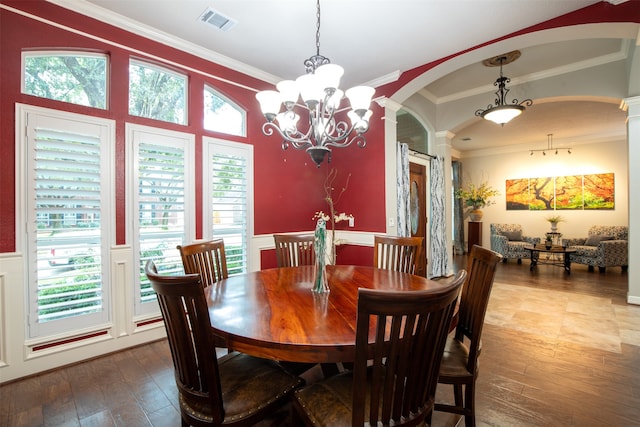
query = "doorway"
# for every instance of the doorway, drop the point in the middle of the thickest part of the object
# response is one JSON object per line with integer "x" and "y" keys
{"x": 418, "y": 208}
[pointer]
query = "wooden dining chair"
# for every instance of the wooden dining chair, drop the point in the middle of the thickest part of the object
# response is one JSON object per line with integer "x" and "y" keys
{"x": 394, "y": 379}
{"x": 460, "y": 360}
{"x": 293, "y": 250}
{"x": 237, "y": 389}
{"x": 397, "y": 253}
{"x": 205, "y": 258}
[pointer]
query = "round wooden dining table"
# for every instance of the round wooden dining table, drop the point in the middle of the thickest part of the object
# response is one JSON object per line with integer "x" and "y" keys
{"x": 274, "y": 314}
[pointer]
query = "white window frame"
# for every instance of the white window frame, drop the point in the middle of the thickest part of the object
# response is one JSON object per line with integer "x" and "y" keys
{"x": 27, "y": 115}
{"x": 235, "y": 106}
{"x": 152, "y": 66}
{"x": 136, "y": 134}
{"x": 210, "y": 146}
{"x": 67, "y": 53}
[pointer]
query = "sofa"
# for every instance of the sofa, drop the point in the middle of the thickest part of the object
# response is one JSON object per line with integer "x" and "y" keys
{"x": 605, "y": 246}
{"x": 510, "y": 242}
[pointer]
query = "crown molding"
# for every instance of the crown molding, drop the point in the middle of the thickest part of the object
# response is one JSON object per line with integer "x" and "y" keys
{"x": 135, "y": 27}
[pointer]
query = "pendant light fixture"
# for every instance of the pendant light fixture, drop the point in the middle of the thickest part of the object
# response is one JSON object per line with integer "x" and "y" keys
{"x": 502, "y": 112}
{"x": 321, "y": 96}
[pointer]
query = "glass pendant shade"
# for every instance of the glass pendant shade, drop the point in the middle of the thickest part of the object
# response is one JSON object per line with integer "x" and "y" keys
{"x": 360, "y": 124}
{"x": 504, "y": 114}
{"x": 288, "y": 91}
{"x": 310, "y": 88}
{"x": 360, "y": 97}
{"x": 270, "y": 101}
{"x": 334, "y": 100}
{"x": 329, "y": 76}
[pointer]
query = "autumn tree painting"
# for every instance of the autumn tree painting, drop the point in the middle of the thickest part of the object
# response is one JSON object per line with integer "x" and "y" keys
{"x": 596, "y": 191}
{"x": 541, "y": 193}
{"x": 599, "y": 191}
{"x": 517, "y": 194}
{"x": 569, "y": 192}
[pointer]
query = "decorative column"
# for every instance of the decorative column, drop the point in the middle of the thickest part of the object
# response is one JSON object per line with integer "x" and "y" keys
{"x": 633, "y": 142}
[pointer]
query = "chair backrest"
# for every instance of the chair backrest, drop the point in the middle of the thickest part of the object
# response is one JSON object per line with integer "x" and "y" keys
{"x": 205, "y": 258}
{"x": 618, "y": 232}
{"x": 186, "y": 319}
{"x": 501, "y": 228}
{"x": 474, "y": 298}
{"x": 397, "y": 253}
{"x": 410, "y": 334}
{"x": 293, "y": 250}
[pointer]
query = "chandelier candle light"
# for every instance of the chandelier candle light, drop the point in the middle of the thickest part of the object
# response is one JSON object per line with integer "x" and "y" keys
{"x": 319, "y": 91}
{"x": 502, "y": 112}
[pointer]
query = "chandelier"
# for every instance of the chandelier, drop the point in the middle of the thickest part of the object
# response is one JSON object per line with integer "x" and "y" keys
{"x": 319, "y": 91}
{"x": 502, "y": 112}
{"x": 550, "y": 148}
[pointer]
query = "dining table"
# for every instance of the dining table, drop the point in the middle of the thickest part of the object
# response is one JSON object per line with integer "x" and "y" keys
{"x": 274, "y": 313}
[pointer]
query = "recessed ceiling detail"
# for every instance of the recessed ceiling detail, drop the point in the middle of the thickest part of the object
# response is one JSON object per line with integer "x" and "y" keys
{"x": 504, "y": 59}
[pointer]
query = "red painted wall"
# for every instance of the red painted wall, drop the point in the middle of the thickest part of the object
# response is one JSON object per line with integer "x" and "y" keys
{"x": 288, "y": 186}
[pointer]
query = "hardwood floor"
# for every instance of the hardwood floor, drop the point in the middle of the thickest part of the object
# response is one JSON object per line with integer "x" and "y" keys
{"x": 558, "y": 350}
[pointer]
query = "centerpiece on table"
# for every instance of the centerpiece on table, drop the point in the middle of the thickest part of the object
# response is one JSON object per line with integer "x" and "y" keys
{"x": 320, "y": 282}
{"x": 332, "y": 217}
{"x": 476, "y": 197}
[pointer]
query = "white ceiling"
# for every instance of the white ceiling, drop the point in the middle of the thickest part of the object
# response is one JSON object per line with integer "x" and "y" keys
{"x": 374, "y": 41}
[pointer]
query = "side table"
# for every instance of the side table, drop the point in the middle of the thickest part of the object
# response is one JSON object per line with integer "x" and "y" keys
{"x": 474, "y": 235}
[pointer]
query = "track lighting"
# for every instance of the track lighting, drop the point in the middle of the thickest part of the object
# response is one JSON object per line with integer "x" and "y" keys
{"x": 549, "y": 147}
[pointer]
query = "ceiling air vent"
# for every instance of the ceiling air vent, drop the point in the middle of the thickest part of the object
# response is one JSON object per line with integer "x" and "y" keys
{"x": 218, "y": 20}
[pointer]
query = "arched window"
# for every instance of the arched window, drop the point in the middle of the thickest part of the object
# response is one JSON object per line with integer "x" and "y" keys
{"x": 223, "y": 115}
{"x": 74, "y": 77}
{"x": 157, "y": 93}
{"x": 410, "y": 131}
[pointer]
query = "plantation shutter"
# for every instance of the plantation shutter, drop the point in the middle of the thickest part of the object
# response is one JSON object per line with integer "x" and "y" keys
{"x": 161, "y": 205}
{"x": 231, "y": 174}
{"x": 66, "y": 248}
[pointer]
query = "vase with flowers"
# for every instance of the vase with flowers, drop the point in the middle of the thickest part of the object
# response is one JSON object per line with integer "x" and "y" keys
{"x": 332, "y": 217}
{"x": 476, "y": 197}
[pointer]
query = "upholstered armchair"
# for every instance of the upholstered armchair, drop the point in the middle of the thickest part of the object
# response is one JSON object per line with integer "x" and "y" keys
{"x": 508, "y": 240}
{"x": 605, "y": 246}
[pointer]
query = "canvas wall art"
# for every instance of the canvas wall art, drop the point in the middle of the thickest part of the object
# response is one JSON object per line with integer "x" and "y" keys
{"x": 594, "y": 191}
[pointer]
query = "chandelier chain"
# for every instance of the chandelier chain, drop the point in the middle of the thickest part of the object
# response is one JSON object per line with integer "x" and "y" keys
{"x": 318, "y": 27}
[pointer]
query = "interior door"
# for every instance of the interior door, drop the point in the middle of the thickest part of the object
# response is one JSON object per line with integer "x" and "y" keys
{"x": 418, "y": 209}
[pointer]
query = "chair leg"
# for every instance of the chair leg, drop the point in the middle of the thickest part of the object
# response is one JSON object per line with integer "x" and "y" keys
{"x": 470, "y": 405}
{"x": 519, "y": 261}
{"x": 602, "y": 269}
{"x": 457, "y": 395}
{"x": 590, "y": 268}
{"x": 624, "y": 268}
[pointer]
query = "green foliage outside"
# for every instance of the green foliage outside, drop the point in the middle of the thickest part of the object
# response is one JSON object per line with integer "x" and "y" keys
{"x": 69, "y": 78}
{"x": 156, "y": 94}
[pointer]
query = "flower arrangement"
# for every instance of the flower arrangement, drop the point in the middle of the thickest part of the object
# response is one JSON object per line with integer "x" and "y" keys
{"x": 477, "y": 197}
{"x": 336, "y": 218}
{"x": 332, "y": 218}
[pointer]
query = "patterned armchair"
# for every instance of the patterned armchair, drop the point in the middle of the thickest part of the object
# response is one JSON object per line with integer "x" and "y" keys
{"x": 605, "y": 246}
{"x": 509, "y": 241}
